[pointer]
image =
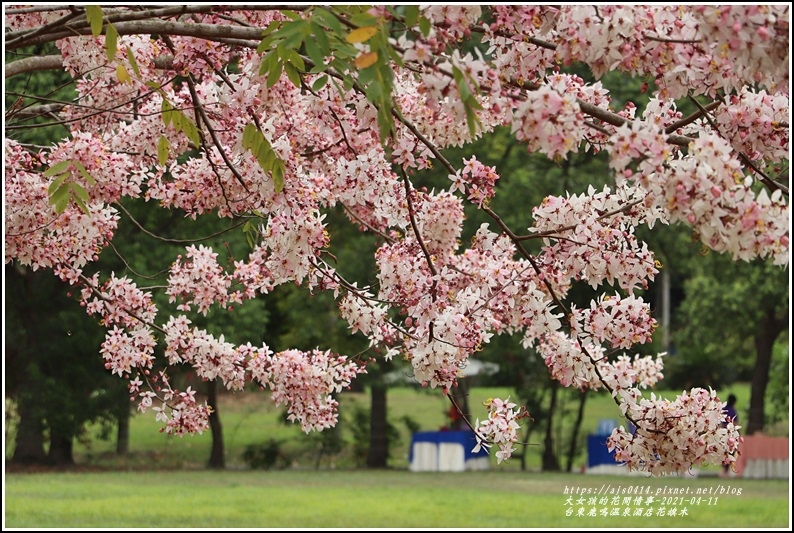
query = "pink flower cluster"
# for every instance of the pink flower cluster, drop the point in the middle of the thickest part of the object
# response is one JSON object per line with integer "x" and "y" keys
{"x": 188, "y": 417}
{"x": 211, "y": 358}
{"x": 671, "y": 436}
{"x": 619, "y": 322}
{"x": 709, "y": 191}
{"x": 751, "y": 39}
{"x": 476, "y": 179}
{"x": 119, "y": 302}
{"x": 585, "y": 365}
{"x": 305, "y": 382}
{"x": 199, "y": 280}
{"x": 35, "y": 235}
{"x": 549, "y": 121}
{"x": 180, "y": 411}
{"x": 756, "y": 124}
{"x": 500, "y": 428}
{"x": 586, "y": 244}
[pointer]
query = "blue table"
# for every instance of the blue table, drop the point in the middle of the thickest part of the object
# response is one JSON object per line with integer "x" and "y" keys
{"x": 447, "y": 451}
{"x": 598, "y": 451}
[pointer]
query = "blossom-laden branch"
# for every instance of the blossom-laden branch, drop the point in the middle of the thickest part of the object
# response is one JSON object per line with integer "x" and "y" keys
{"x": 279, "y": 114}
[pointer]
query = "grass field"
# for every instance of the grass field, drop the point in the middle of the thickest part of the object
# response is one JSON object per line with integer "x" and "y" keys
{"x": 386, "y": 499}
{"x": 162, "y": 482}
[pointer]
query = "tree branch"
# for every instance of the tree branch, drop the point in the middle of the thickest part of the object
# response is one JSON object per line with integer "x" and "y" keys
{"x": 174, "y": 241}
{"x": 33, "y": 64}
{"x": 766, "y": 180}
{"x": 693, "y": 117}
{"x": 210, "y": 32}
{"x": 118, "y": 17}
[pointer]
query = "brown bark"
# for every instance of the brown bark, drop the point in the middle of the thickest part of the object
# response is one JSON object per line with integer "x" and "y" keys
{"x": 29, "y": 442}
{"x": 378, "y": 453}
{"x": 769, "y": 329}
{"x": 61, "y": 448}
{"x": 217, "y": 459}
{"x": 575, "y": 433}
{"x": 550, "y": 461}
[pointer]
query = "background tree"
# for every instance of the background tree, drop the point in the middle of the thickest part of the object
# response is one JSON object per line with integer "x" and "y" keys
{"x": 52, "y": 368}
{"x": 730, "y": 319}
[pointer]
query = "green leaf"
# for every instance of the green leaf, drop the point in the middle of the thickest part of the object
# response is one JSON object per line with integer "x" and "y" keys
{"x": 411, "y": 16}
{"x": 293, "y": 33}
{"x": 274, "y": 75}
{"x": 111, "y": 41}
{"x": 278, "y": 176}
{"x": 291, "y": 14}
{"x": 363, "y": 19}
{"x": 56, "y": 184}
{"x": 320, "y": 38}
{"x": 61, "y": 203}
{"x": 249, "y": 133}
{"x": 83, "y": 207}
{"x": 374, "y": 92}
{"x": 167, "y": 112}
{"x": 255, "y": 141}
{"x": 122, "y": 74}
{"x": 319, "y": 83}
{"x": 94, "y": 16}
{"x": 177, "y": 120}
{"x": 339, "y": 65}
{"x": 293, "y": 74}
{"x": 424, "y": 26}
{"x": 249, "y": 231}
{"x": 295, "y": 59}
{"x": 316, "y": 55}
{"x": 133, "y": 63}
{"x": 267, "y": 41}
{"x": 60, "y": 197}
{"x": 86, "y": 176}
{"x": 57, "y": 168}
{"x": 269, "y": 62}
{"x": 472, "y": 121}
{"x": 385, "y": 123}
{"x": 328, "y": 19}
{"x": 163, "y": 150}
{"x": 79, "y": 192}
{"x": 190, "y": 129}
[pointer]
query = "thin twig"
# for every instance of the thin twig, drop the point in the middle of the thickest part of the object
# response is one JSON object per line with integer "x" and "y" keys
{"x": 175, "y": 241}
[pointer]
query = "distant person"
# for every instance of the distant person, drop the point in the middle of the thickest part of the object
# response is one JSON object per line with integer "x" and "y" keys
{"x": 457, "y": 423}
{"x": 730, "y": 416}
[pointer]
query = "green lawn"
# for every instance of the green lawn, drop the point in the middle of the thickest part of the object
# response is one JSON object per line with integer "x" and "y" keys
{"x": 385, "y": 499}
{"x": 162, "y": 483}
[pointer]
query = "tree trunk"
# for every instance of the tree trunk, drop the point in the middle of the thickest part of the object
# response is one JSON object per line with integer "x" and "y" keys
{"x": 770, "y": 328}
{"x": 575, "y": 434}
{"x": 60, "y": 453}
{"x": 550, "y": 462}
{"x": 461, "y": 396}
{"x": 123, "y": 434}
{"x": 29, "y": 442}
{"x": 217, "y": 454}
{"x": 378, "y": 453}
{"x": 123, "y": 428}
